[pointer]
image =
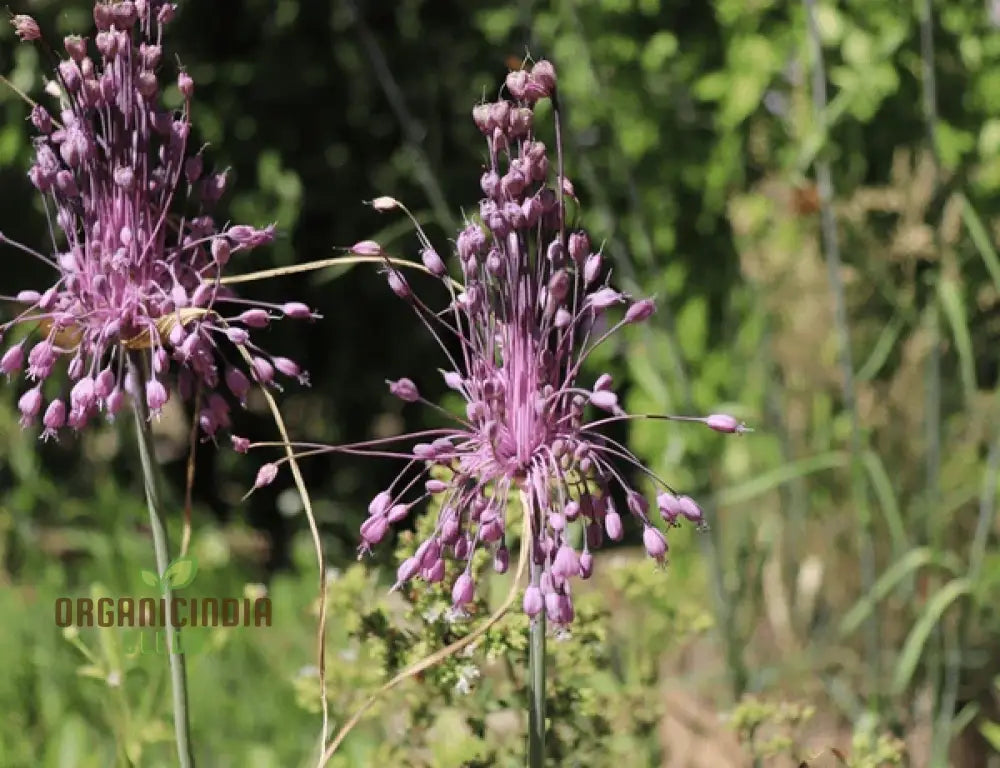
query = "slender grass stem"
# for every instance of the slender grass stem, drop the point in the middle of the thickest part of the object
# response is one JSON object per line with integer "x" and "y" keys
{"x": 831, "y": 253}
{"x": 151, "y": 480}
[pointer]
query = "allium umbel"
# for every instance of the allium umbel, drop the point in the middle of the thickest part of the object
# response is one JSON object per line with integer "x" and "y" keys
{"x": 532, "y": 307}
{"x": 139, "y": 257}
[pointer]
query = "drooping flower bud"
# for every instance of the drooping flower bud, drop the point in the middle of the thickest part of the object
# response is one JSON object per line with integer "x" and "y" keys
{"x": 690, "y": 509}
{"x": 613, "y": 525}
{"x": 463, "y": 590}
{"x": 532, "y": 602}
{"x": 156, "y": 395}
{"x": 12, "y": 360}
{"x": 29, "y": 404}
{"x": 433, "y": 262}
{"x": 654, "y": 542}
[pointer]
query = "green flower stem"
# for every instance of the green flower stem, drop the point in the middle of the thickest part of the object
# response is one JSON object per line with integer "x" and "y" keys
{"x": 151, "y": 479}
{"x": 536, "y": 713}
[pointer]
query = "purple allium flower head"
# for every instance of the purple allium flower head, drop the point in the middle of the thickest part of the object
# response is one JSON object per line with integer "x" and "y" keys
{"x": 138, "y": 259}
{"x": 516, "y": 332}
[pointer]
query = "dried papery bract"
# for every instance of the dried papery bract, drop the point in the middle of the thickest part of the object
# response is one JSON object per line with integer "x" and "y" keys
{"x": 138, "y": 256}
{"x": 533, "y": 305}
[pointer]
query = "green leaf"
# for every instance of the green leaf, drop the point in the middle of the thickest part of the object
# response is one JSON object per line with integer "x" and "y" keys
{"x": 180, "y": 572}
{"x": 981, "y": 238}
{"x": 768, "y": 481}
{"x": 150, "y": 578}
{"x": 882, "y": 486}
{"x": 913, "y": 648}
{"x": 954, "y": 310}
{"x": 991, "y": 732}
{"x": 895, "y": 573}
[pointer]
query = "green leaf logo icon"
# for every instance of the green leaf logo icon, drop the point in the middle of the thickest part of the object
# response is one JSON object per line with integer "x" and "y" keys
{"x": 180, "y": 572}
{"x": 150, "y": 578}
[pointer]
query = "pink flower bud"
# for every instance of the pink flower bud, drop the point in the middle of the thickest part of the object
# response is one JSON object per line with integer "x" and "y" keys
{"x": 604, "y": 400}
{"x": 433, "y": 262}
{"x": 463, "y": 590}
{"x": 407, "y": 569}
{"x": 221, "y": 250}
{"x": 380, "y": 504}
{"x": 29, "y": 404}
{"x": 721, "y": 422}
{"x": 501, "y": 560}
{"x": 104, "y": 383}
{"x": 566, "y": 563}
{"x": 453, "y": 379}
{"x": 297, "y": 310}
{"x": 288, "y": 368}
{"x": 404, "y": 389}
{"x": 240, "y": 444}
{"x": 544, "y": 74}
{"x": 263, "y": 371}
{"x": 398, "y": 512}
{"x": 655, "y": 543}
{"x": 161, "y": 360}
{"x": 436, "y": 486}
{"x": 156, "y": 395}
{"x": 115, "y": 401}
{"x": 238, "y": 383}
{"x": 604, "y": 383}
{"x": 592, "y": 268}
{"x": 690, "y": 509}
{"x": 640, "y": 311}
{"x": 185, "y": 84}
{"x": 12, "y": 360}
{"x": 434, "y": 574}
{"x": 255, "y": 318}
{"x": 373, "y": 529}
{"x": 398, "y": 284}
{"x": 55, "y": 416}
{"x": 25, "y": 27}
{"x": 367, "y": 248}
{"x": 385, "y": 203}
{"x": 532, "y": 603}
{"x": 669, "y": 505}
{"x": 82, "y": 395}
{"x": 613, "y": 525}
{"x": 266, "y": 475}
{"x": 604, "y": 298}
{"x": 586, "y": 565}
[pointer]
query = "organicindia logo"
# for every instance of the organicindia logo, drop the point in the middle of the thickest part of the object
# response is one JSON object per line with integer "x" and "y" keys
{"x": 169, "y": 609}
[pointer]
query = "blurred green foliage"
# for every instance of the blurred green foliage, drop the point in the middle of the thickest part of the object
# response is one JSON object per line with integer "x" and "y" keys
{"x": 691, "y": 140}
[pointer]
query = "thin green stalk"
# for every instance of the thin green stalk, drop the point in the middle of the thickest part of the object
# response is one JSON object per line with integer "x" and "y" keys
{"x": 536, "y": 650}
{"x": 831, "y": 253}
{"x": 944, "y": 662}
{"x": 151, "y": 480}
{"x": 536, "y": 713}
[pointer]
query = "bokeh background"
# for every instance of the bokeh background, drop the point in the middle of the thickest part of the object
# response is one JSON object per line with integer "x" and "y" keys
{"x": 840, "y": 611}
